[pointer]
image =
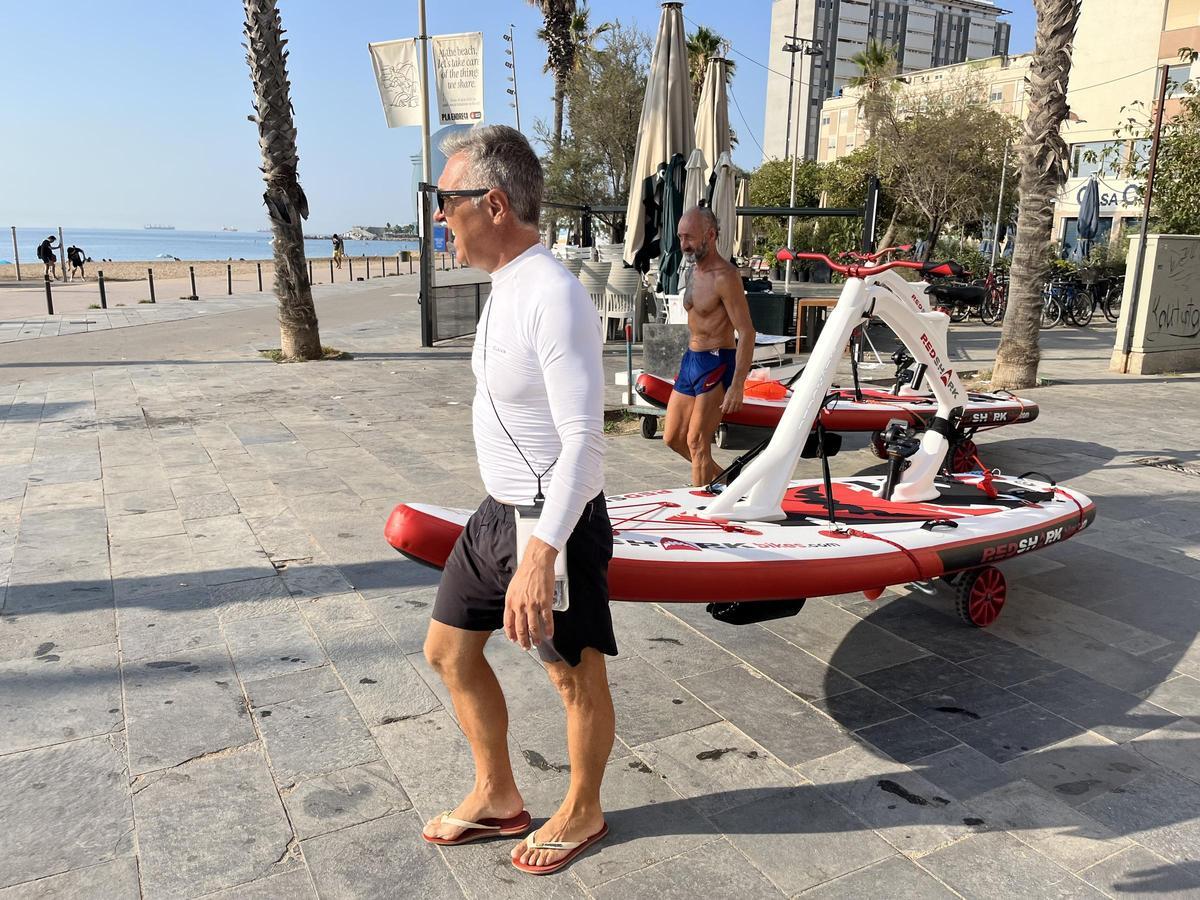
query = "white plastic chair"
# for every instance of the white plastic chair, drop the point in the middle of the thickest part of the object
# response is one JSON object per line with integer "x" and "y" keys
{"x": 621, "y": 296}
{"x": 594, "y": 277}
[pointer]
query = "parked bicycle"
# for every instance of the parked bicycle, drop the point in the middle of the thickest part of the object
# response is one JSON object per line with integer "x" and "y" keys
{"x": 991, "y": 311}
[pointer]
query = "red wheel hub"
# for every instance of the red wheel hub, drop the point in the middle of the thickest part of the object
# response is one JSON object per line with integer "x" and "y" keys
{"x": 963, "y": 457}
{"x": 986, "y": 597}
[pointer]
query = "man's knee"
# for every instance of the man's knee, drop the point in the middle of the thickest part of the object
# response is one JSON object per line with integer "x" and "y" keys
{"x": 583, "y": 683}
{"x": 449, "y": 658}
{"x": 697, "y": 443}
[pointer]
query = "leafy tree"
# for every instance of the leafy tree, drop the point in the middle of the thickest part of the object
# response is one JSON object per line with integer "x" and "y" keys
{"x": 876, "y": 81}
{"x": 286, "y": 204}
{"x": 593, "y": 164}
{"x": 701, "y": 44}
{"x": 568, "y": 37}
{"x": 770, "y": 185}
{"x": 1043, "y": 157}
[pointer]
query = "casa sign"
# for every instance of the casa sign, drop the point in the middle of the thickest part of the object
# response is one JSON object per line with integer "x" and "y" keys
{"x": 1127, "y": 197}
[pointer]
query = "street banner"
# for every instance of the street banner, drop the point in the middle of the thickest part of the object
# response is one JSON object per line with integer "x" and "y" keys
{"x": 458, "y": 70}
{"x": 398, "y": 75}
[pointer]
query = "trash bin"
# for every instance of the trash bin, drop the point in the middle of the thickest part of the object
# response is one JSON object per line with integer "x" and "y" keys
{"x": 772, "y": 313}
{"x": 405, "y": 255}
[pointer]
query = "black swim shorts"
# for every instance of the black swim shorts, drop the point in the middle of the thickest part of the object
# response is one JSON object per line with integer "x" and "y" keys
{"x": 481, "y": 565}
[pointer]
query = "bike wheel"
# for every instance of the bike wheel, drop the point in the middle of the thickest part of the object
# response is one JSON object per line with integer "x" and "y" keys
{"x": 1079, "y": 308}
{"x": 992, "y": 309}
{"x": 1052, "y": 311}
{"x": 958, "y": 312}
{"x": 1111, "y": 306}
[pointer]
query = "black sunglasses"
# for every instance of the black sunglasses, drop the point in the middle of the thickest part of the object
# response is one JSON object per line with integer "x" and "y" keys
{"x": 442, "y": 195}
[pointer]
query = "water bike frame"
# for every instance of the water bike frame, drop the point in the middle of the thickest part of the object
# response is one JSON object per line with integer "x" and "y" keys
{"x": 871, "y": 289}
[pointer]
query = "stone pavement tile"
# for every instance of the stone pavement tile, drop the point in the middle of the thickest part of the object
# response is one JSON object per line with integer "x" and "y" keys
{"x": 432, "y": 760}
{"x": 1160, "y": 810}
{"x": 930, "y": 629}
{"x": 907, "y": 738}
{"x": 664, "y": 641}
{"x": 59, "y": 696}
{"x": 896, "y": 878}
{"x": 318, "y": 580}
{"x": 284, "y": 539}
{"x": 967, "y": 701}
{"x": 167, "y": 555}
{"x": 272, "y": 645}
{"x": 717, "y": 767}
{"x": 63, "y": 468}
{"x": 71, "y": 626}
{"x": 784, "y": 662}
{"x": 961, "y": 772}
{"x": 649, "y": 705}
{"x": 858, "y": 708}
{"x": 784, "y": 724}
{"x": 66, "y": 807}
{"x": 1046, "y": 824}
{"x": 168, "y": 623}
{"x": 183, "y": 706}
{"x": 998, "y": 865}
{"x": 713, "y": 870}
{"x": 1117, "y": 715}
{"x": 346, "y": 797}
{"x": 917, "y": 676}
{"x": 126, "y": 529}
{"x": 292, "y": 686}
{"x": 211, "y": 824}
{"x": 241, "y": 600}
{"x": 293, "y": 885}
{"x": 1135, "y": 871}
{"x": 131, "y": 503}
{"x": 63, "y": 497}
{"x": 203, "y": 506}
{"x": 312, "y": 736}
{"x": 261, "y": 433}
{"x": 116, "y": 879}
{"x": 905, "y": 809}
{"x": 144, "y": 476}
{"x": 1007, "y": 735}
{"x": 1175, "y": 747}
{"x": 220, "y": 531}
{"x": 381, "y": 682}
{"x": 842, "y": 639}
{"x": 245, "y": 488}
{"x": 339, "y": 612}
{"x": 375, "y": 858}
{"x": 229, "y": 564}
{"x": 1011, "y": 666}
{"x": 194, "y": 485}
{"x": 1180, "y": 695}
{"x": 260, "y": 506}
{"x": 799, "y": 839}
{"x": 308, "y": 481}
{"x": 147, "y": 588}
{"x": 1079, "y": 768}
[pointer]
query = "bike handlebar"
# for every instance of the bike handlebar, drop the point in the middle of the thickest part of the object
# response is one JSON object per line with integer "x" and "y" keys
{"x": 947, "y": 268}
{"x": 863, "y": 256}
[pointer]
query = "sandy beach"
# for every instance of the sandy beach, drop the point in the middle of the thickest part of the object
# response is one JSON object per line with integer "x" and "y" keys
{"x": 242, "y": 269}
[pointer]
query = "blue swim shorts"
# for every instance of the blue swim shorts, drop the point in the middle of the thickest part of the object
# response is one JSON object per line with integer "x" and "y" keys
{"x": 702, "y": 370}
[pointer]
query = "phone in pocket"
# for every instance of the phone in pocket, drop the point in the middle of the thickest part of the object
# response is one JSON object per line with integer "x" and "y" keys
{"x": 526, "y": 520}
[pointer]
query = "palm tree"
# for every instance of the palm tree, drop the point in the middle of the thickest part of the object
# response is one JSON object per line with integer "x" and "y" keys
{"x": 1043, "y": 156}
{"x": 701, "y": 44}
{"x": 285, "y": 200}
{"x": 876, "y": 80}
{"x": 568, "y": 36}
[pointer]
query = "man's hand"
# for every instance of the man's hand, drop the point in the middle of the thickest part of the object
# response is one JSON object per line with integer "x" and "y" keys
{"x": 529, "y": 603}
{"x": 733, "y": 399}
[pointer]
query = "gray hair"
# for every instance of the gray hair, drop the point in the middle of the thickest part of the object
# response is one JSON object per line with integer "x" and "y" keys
{"x": 500, "y": 157}
{"x": 709, "y": 217}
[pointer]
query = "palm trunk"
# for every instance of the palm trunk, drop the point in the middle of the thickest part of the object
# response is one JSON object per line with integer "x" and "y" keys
{"x": 890, "y": 234}
{"x": 1043, "y": 156}
{"x": 285, "y": 200}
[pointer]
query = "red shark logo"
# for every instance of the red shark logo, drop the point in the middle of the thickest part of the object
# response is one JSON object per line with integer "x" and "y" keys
{"x": 947, "y": 375}
{"x": 675, "y": 544}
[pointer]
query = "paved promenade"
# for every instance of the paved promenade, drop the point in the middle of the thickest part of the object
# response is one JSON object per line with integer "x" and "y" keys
{"x": 211, "y": 682}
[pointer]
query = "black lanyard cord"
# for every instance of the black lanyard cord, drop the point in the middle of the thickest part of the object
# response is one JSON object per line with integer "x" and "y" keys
{"x": 487, "y": 321}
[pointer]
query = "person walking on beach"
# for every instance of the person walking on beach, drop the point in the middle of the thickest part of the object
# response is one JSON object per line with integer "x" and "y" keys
{"x": 539, "y": 439}
{"x": 76, "y": 258}
{"x": 712, "y": 373}
{"x": 45, "y": 252}
{"x": 339, "y": 250}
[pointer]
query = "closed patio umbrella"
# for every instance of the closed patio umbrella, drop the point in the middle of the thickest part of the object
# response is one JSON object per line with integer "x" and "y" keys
{"x": 695, "y": 183}
{"x": 1089, "y": 216}
{"x": 724, "y": 203}
{"x": 712, "y": 114}
{"x": 666, "y": 129}
{"x": 671, "y": 255}
{"x": 741, "y": 231}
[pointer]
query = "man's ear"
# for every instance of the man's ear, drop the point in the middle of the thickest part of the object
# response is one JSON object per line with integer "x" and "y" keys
{"x": 498, "y": 205}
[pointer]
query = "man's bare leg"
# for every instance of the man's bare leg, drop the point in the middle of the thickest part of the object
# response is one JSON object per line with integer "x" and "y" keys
{"x": 675, "y": 428}
{"x": 706, "y": 416}
{"x": 591, "y": 727}
{"x": 457, "y": 656}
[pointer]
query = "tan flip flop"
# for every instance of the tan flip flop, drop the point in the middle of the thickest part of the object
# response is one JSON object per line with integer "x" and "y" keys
{"x": 487, "y": 828}
{"x": 575, "y": 847}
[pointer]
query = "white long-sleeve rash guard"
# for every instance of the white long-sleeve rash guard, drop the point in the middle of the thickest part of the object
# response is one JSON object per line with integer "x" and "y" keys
{"x": 543, "y": 369}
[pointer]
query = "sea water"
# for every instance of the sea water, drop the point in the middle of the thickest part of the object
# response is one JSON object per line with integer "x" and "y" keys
{"x": 150, "y": 244}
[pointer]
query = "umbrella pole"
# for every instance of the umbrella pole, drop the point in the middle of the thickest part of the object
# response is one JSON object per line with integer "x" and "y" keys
{"x": 999, "y": 206}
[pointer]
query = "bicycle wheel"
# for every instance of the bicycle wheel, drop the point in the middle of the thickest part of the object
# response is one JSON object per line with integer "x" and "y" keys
{"x": 992, "y": 309}
{"x": 1111, "y": 305}
{"x": 1052, "y": 311}
{"x": 958, "y": 312}
{"x": 1079, "y": 307}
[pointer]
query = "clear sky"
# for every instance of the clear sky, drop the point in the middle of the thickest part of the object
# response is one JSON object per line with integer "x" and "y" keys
{"x": 129, "y": 112}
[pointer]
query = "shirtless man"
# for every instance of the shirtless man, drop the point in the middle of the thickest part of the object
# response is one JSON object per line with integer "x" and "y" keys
{"x": 712, "y": 374}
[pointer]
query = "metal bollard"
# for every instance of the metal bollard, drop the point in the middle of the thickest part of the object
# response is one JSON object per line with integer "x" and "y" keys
{"x": 103, "y": 295}
{"x": 331, "y": 271}
{"x": 259, "y": 267}
{"x": 410, "y": 268}
{"x": 310, "y": 281}
{"x": 350, "y": 259}
{"x": 150, "y": 276}
{"x": 49, "y": 299}
{"x": 368, "y": 268}
{"x": 229, "y": 279}
{"x": 192, "y": 275}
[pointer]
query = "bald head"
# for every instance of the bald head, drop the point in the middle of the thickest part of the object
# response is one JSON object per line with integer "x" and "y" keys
{"x": 698, "y": 230}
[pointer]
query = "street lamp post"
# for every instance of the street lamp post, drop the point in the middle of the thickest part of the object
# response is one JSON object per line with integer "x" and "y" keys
{"x": 807, "y": 47}
{"x": 511, "y": 63}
